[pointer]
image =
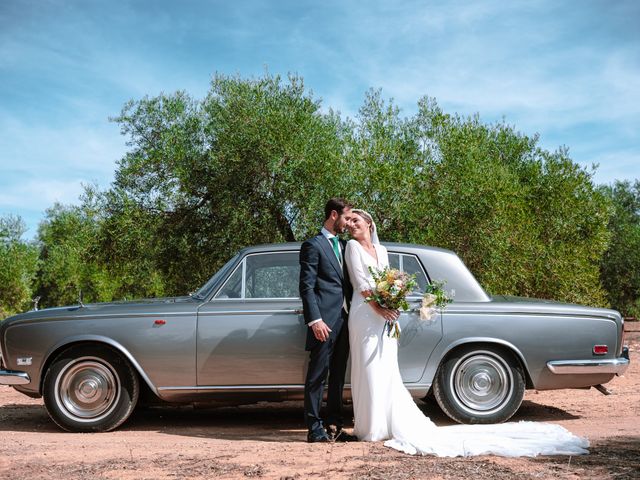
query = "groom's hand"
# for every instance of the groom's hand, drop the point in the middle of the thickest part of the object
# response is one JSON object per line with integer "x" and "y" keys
{"x": 321, "y": 331}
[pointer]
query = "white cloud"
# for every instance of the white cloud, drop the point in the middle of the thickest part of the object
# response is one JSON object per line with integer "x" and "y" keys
{"x": 536, "y": 64}
{"x": 38, "y": 194}
{"x": 545, "y": 68}
{"x": 615, "y": 165}
{"x": 60, "y": 151}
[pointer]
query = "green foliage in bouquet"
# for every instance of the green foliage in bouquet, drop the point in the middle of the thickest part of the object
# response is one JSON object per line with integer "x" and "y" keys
{"x": 390, "y": 291}
{"x": 391, "y": 288}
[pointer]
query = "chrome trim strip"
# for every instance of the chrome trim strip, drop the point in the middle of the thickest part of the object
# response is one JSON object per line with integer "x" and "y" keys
{"x": 450, "y": 310}
{"x": 235, "y": 388}
{"x": 243, "y": 288}
{"x": 14, "y": 377}
{"x": 569, "y": 367}
{"x": 265, "y": 299}
{"x": 246, "y": 312}
{"x": 108, "y": 315}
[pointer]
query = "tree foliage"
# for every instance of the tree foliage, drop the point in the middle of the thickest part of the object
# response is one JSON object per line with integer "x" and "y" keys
{"x": 524, "y": 220}
{"x": 255, "y": 160}
{"x": 18, "y": 265}
{"x": 247, "y": 164}
{"x": 621, "y": 261}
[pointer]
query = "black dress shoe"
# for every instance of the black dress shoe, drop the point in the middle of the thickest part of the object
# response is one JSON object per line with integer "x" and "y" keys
{"x": 318, "y": 436}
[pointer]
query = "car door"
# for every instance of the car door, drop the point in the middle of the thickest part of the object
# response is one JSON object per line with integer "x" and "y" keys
{"x": 418, "y": 338}
{"x": 252, "y": 331}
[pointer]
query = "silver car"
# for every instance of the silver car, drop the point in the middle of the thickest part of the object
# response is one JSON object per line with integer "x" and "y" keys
{"x": 241, "y": 337}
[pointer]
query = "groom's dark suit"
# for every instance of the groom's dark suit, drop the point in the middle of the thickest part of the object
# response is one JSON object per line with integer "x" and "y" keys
{"x": 324, "y": 286}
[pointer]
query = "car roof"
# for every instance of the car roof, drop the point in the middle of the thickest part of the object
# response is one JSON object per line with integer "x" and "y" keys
{"x": 402, "y": 247}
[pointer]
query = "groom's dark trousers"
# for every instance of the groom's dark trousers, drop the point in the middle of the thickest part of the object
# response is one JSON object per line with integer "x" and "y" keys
{"x": 324, "y": 286}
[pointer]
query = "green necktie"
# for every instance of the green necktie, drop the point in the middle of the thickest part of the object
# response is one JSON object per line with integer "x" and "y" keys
{"x": 336, "y": 249}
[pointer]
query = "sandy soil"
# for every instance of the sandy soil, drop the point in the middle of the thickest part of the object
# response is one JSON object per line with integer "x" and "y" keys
{"x": 268, "y": 441}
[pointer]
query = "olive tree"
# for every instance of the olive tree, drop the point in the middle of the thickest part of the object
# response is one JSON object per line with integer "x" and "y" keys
{"x": 18, "y": 265}
{"x": 620, "y": 267}
{"x": 526, "y": 221}
{"x": 249, "y": 163}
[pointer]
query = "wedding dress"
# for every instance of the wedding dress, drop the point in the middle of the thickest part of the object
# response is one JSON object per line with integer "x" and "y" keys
{"x": 384, "y": 409}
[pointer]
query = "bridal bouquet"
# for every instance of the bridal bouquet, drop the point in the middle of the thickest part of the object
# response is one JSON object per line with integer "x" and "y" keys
{"x": 390, "y": 291}
{"x": 434, "y": 297}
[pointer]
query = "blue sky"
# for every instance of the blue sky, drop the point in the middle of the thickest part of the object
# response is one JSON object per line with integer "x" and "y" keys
{"x": 568, "y": 70}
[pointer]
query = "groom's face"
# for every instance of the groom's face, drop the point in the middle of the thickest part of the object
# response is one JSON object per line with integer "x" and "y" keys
{"x": 343, "y": 221}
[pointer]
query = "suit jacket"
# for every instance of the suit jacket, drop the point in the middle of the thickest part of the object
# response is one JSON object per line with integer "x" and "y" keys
{"x": 324, "y": 286}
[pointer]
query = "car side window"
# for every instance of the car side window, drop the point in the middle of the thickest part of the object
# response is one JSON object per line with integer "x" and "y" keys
{"x": 272, "y": 275}
{"x": 233, "y": 286}
{"x": 410, "y": 264}
{"x": 264, "y": 275}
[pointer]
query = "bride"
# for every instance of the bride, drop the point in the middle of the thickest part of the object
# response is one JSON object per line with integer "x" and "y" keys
{"x": 384, "y": 409}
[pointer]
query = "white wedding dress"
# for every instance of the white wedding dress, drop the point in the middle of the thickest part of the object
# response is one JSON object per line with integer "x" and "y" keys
{"x": 384, "y": 409}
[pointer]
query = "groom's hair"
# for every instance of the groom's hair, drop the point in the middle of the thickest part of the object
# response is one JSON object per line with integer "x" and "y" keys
{"x": 337, "y": 204}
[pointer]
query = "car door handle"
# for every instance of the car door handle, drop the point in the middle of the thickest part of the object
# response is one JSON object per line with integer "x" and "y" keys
{"x": 299, "y": 311}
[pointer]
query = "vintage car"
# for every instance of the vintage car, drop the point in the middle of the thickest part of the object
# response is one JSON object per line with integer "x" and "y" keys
{"x": 241, "y": 337}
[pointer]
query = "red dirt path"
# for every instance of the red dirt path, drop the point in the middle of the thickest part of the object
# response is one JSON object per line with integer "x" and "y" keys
{"x": 267, "y": 441}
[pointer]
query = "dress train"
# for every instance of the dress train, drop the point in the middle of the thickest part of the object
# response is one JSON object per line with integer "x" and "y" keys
{"x": 384, "y": 409}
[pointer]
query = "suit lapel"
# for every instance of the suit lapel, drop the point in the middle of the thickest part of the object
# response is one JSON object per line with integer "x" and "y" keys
{"x": 328, "y": 251}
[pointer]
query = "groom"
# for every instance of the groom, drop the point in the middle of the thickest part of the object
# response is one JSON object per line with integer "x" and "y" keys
{"x": 326, "y": 292}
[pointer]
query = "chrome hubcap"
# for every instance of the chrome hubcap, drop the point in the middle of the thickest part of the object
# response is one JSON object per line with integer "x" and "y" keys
{"x": 87, "y": 389}
{"x": 482, "y": 382}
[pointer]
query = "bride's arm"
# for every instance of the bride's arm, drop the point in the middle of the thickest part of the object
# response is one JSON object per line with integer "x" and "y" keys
{"x": 361, "y": 280}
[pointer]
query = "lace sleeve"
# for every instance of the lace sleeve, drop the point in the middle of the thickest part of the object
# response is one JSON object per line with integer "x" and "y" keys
{"x": 360, "y": 277}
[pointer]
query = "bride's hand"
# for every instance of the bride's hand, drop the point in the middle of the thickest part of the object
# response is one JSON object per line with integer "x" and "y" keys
{"x": 386, "y": 313}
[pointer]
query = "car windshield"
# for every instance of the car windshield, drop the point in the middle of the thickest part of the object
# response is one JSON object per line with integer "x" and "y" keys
{"x": 205, "y": 290}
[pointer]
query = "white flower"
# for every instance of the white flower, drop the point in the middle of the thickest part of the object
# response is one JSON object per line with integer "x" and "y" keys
{"x": 428, "y": 300}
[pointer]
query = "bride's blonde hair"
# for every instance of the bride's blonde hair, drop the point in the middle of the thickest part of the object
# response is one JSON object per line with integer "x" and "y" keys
{"x": 364, "y": 214}
{"x": 373, "y": 230}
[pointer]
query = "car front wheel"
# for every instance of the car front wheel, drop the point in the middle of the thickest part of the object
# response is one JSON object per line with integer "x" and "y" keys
{"x": 479, "y": 385}
{"x": 90, "y": 388}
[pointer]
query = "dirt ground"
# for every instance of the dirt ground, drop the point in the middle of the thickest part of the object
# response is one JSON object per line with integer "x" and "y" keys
{"x": 268, "y": 441}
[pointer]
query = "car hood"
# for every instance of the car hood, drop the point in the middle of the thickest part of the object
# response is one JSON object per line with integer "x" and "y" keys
{"x": 99, "y": 309}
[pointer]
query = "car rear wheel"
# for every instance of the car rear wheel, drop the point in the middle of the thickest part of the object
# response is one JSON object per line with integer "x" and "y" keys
{"x": 479, "y": 385}
{"x": 90, "y": 388}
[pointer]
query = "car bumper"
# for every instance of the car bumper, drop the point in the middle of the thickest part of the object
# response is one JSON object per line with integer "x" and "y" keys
{"x": 615, "y": 366}
{"x": 14, "y": 377}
